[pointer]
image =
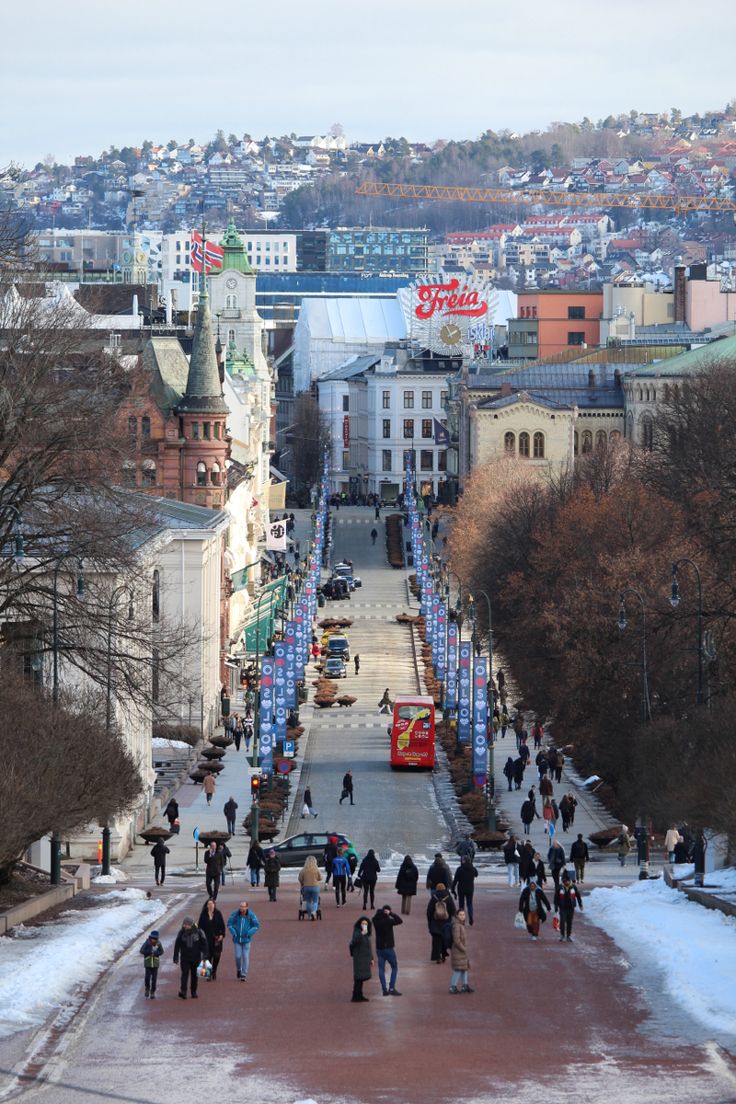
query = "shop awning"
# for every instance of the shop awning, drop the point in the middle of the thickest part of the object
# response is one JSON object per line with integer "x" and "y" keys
{"x": 259, "y": 625}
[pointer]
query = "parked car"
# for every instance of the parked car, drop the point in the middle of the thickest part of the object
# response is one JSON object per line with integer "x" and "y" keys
{"x": 345, "y": 571}
{"x": 336, "y": 589}
{"x": 339, "y": 645}
{"x": 294, "y": 850}
{"x": 335, "y": 668}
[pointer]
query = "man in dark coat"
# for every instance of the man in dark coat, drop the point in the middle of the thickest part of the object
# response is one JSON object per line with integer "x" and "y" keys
{"x": 511, "y": 858}
{"x": 464, "y": 884}
{"x": 438, "y": 872}
{"x": 191, "y": 948}
{"x": 579, "y": 855}
{"x": 384, "y": 922}
{"x": 526, "y": 861}
{"x": 440, "y": 911}
{"x": 567, "y": 898}
{"x": 534, "y": 906}
{"x": 556, "y": 861}
{"x": 347, "y": 787}
{"x": 213, "y": 870}
{"x": 508, "y": 771}
{"x": 230, "y": 809}
{"x": 519, "y": 771}
{"x": 159, "y": 851}
{"x": 542, "y": 764}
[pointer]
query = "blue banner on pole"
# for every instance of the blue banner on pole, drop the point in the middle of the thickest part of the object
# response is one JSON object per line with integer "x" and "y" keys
{"x": 463, "y": 709}
{"x": 265, "y": 715}
{"x": 441, "y": 641}
{"x": 480, "y": 718}
{"x": 290, "y": 641}
{"x": 279, "y": 680}
{"x": 451, "y": 691}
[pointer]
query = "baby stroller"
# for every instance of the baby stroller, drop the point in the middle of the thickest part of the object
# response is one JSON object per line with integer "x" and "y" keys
{"x": 303, "y": 909}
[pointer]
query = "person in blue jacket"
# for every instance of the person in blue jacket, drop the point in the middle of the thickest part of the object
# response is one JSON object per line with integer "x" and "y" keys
{"x": 242, "y": 925}
{"x": 152, "y": 952}
{"x": 340, "y": 875}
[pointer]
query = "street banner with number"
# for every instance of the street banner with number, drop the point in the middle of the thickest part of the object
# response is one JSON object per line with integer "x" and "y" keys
{"x": 265, "y": 715}
{"x": 463, "y": 711}
{"x": 279, "y": 661}
{"x": 451, "y": 691}
{"x": 480, "y": 718}
{"x": 291, "y": 693}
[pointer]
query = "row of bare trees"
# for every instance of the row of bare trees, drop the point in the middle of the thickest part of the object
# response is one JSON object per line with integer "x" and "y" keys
{"x": 555, "y": 556}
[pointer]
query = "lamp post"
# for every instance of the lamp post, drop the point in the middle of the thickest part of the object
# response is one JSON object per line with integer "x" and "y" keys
{"x": 55, "y": 841}
{"x": 675, "y": 601}
{"x": 18, "y": 547}
{"x": 491, "y": 794}
{"x": 646, "y": 713}
{"x": 117, "y": 592}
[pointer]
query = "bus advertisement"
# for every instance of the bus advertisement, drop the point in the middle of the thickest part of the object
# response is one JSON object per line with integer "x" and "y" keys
{"x": 412, "y": 732}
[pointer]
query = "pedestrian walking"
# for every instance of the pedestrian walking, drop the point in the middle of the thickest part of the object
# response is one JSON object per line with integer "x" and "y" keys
{"x": 152, "y": 952}
{"x": 548, "y": 816}
{"x": 385, "y": 705}
{"x": 368, "y": 872}
{"x": 384, "y": 922}
{"x": 190, "y": 949}
{"x": 459, "y": 960}
{"x": 439, "y": 872}
{"x": 511, "y": 858}
{"x": 465, "y": 847}
{"x": 247, "y": 734}
{"x": 213, "y": 870}
{"x": 330, "y": 852}
{"x": 238, "y": 732}
{"x": 356, "y": 662}
{"x": 508, "y": 771}
{"x": 440, "y": 911}
{"x": 504, "y": 720}
{"x": 374, "y": 535}
{"x": 159, "y": 851}
{"x": 212, "y": 923}
{"x": 623, "y": 846}
{"x": 567, "y": 899}
{"x": 340, "y": 875}
{"x": 537, "y": 734}
{"x": 524, "y": 753}
{"x": 271, "y": 876}
{"x": 230, "y": 809}
{"x": 347, "y": 787}
{"x": 670, "y": 841}
{"x": 362, "y": 955}
{"x": 527, "y": 813}
{"x": 542, "y": 764}
{"x": 546, "y": 788}
{"x": 518, "y": 772}
{"x": 310, "y": 879}
{"x": 538, "y": 870}
{"x": 526, "y": 861}
{"x": 242, "y": 925}
{"x": 559, "y": 763}
{"x": 464, "y": 885}
{"x": 209, "y": 786}
{"x": 534, "y": 906}
{"x": 556, "y": 861}
{"x": 500, "y": 679}
{"x": 579, "y": 855}
{"x": 308, "y": 808}
{"x": 407, "y": 880}
{"x": 255, "y": 863}
{"x": 171, "y": 812}
{"x": 225, "y": 855}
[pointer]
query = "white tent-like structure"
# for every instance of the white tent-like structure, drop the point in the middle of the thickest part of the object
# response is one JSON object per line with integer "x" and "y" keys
{"x": 330, "y": 331}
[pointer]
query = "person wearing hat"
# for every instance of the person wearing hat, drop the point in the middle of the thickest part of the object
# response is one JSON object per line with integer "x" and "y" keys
{"x": 567, "y": 898}
{"x": 384, "y": 923}
{"x": 534, "y": 906}
{"x": 438, "y": 872}
{"x": 152, "y": 952}
{"x": 271, "y": 866}
{"x": 191, "y": 948}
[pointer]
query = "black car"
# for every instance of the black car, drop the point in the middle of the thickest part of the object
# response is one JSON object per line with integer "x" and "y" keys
{"x": 336, "y": 589}
{"x": 294, "y": 850}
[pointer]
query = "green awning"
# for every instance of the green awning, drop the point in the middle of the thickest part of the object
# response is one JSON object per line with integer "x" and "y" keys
{"x": 260, "y": 624}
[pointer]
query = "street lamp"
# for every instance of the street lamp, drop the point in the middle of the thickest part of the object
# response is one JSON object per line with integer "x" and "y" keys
{"x": 18, "y": 547}
{"x": 675, "y": 601}
{"x": 646, "y": 712}
{"x": 490, "y": 801}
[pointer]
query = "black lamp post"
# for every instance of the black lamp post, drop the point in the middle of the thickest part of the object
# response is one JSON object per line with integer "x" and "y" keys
{"x": 491, "y": 794}
{"x": 646, "y": 714}
{"x": 675, "y": 601}
{"x": 18, "y": 547}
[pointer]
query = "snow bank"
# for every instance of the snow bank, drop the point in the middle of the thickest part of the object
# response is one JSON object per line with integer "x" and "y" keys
{"x": 693, "y": 947}
{"x": 41, "y": 967}
{"x": 160, "y": 742}
{"x": 115, "y": 875}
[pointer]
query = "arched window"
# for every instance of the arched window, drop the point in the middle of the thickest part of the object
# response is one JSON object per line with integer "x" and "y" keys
{"x": 128, "y": 473}
{"x": 601, "y": 441}
{"x": 217, "y": 431}
{"x": 231, "y": 302}
{"x": 215, "y": 474}
{"x": 155, "y": 674}
{"x": 575, "y": 443}
{"x": 614, "y": 436}
{"x": 156, "y": 595}
{"x": 676, "y": 392}
{"x": 539, "y": 446}
{"x": 149, "y": 473}
{"x": 201, "y": 474}
{"x": 629, "y": 426}
{"x": 509, "y": 443}
{"x": 647, "y": 433}
{"x": 523, "y": 444}
{"x": 145, "y": 427}
{"x": 587, "y": 441}
{"x": 231, "y": 337}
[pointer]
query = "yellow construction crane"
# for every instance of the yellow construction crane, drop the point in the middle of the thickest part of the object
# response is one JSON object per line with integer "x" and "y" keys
{"x": 681, "y": 204}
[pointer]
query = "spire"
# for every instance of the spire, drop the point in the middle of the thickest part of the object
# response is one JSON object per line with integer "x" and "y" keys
{"x": 204, "y": 389}
{"x": 234, "y": 250}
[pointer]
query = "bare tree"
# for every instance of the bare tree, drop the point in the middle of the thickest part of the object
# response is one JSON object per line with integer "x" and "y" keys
{"x": 308, "y": 438}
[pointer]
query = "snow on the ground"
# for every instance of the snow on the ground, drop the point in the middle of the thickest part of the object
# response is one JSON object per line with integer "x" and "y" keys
{"x": 40, "y": 967}
{"x": 160, "y": 742}
{"x": 693, "y": 947}
{"x": 115, "y": 875}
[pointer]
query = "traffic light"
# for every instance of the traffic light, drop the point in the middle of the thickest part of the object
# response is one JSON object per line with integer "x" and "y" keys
{"x": 255, "y": 787}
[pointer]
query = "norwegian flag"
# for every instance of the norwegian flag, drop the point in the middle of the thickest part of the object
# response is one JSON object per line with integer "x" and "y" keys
{"x": 213, "y": 254}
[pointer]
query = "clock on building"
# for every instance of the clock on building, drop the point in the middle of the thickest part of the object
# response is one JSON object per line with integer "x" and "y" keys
{"x": 231, "y": 282}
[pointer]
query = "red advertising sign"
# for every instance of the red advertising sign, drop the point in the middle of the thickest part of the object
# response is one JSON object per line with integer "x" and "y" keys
{"x": 346, "y": 430}
{"x": 445, "y": 299}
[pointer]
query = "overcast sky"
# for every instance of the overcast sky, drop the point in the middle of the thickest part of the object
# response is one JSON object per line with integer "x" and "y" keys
{"x": 77, "y": 77}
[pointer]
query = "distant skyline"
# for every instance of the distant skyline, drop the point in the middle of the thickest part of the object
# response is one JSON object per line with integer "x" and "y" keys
{"x": 76, "y": 80}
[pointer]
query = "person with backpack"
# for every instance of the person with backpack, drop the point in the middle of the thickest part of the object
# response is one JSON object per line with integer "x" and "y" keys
{"x": 465, "y": 848}
{"x": 152, "y": 952}
{"x": 579, "y": 855}
{"x": 406, "y": 883}
{"x": 439, "y": 872}
{"x": 440, "y": 911}
{"x": 511, "y": 858}
{"x": 159, "y": 851}
{"x": 534, "y": 906}
{"x": 464, "y": 884}
{"x": 567, "y": 899}
{"x": 368, "y": 872}
{"x": 537, "y": 734}
{"x": 556, "y": 861}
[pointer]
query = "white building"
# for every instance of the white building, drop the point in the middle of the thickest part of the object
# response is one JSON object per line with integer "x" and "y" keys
{"x": 330, "y": 331}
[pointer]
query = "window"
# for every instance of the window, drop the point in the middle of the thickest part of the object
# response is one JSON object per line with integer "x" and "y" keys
{"x": 539, "y": 446}
{"x": 386, "y": 460}
{"x": 345, "y": 459}
{"x": 132, "y": 428}
{"x": 231, "y": 337}
{"x": 587, "y": 442}
{"x": 386, "y": 428}
{"x": 614, "y": 436}
{"x": 231, "y": 302}
{"x": 575, "y": 337}
{"x": 217, "y": 431}
{"x": 426, "y": 460}
{"x": 201, "y": 474}
{"x": 442, "y": 460}
{"x": 155, "y": 668}
{"x": 195, "y": 431}
{"x": 576, "y": 443}
{"x": 426, "y": 400}
{"x": 215, "y": 474}
{"x": 427, "y": 428}
{"x": 647, "y": 433}
{"x": 156, "y": 595}
{"x": 145, "y": 427}
{"x": 386, "y": 400}
{"x": 408, "y": 427}
{"x": 509, "y": 443}
{"x": 149, "y": 473}
{"x": 128, "y": 474}
{"x": 408, "y": 400}
{"x": 523, "y": 444}
{"x": 346, "y": 402}
{"x": 206, "y": 430}
{"x": 601, "y": 441}
{"x": 443, "y": 399}
{"x": 576, "y": 312}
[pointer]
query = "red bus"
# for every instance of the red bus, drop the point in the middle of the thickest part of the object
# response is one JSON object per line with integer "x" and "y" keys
{"x": 412, "y": 732}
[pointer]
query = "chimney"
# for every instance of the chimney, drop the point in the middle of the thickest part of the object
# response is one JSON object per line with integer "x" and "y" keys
{"x": 680, "y": 292}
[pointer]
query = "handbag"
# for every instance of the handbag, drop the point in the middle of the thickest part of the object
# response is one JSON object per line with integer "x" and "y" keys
{"x": 556, "y": 923}
{"x": 345, "y": 793}
{"x": 357, "y": 882}
{"x": 519, "y": 921}
{"x": 204, "y": 970}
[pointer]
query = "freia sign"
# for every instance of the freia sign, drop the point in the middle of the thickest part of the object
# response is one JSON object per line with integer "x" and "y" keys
{"x": 447, "y": 301}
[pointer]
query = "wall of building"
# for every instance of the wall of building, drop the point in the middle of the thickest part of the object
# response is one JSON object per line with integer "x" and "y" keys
{"x": 707, "y": 305}
{"x": 555, "y": 327}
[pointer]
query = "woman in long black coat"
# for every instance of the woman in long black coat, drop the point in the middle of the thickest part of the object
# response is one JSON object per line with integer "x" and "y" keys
{"x": 406, "y": 883}
{"x": 212, "y": 923}
{"x": 362, "y": 954}
{"x": 368, "y": 872}
{"x": 171, "y": 812}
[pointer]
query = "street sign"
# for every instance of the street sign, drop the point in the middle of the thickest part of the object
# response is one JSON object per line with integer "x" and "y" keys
{"x": 480, "y": 779}
{"x": 288, "y": 749}
{"x": 284, "y": 766}
{"x": 195, "y": 833}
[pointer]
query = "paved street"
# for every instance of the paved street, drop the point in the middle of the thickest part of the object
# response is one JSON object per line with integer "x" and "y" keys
{"x": 548, "y": 1020}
